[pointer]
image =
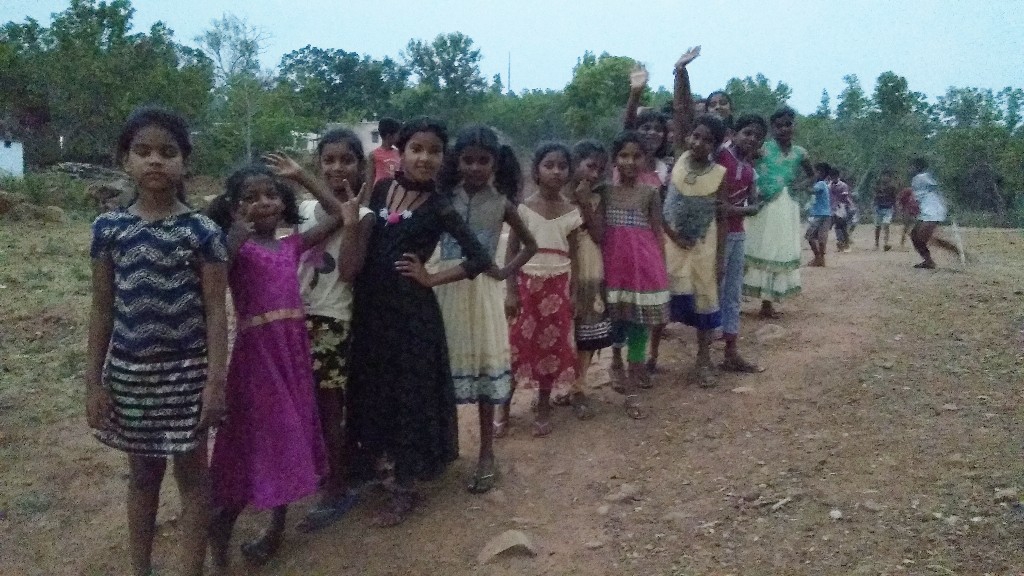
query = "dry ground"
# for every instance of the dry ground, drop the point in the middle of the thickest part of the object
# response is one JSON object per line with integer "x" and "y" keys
{"x": 880, "y": 441}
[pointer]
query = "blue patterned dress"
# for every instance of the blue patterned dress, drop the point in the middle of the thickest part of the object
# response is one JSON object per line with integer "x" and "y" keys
{"x": 156, "y": 362}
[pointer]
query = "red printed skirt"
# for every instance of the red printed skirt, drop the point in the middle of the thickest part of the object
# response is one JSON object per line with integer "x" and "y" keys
{"x": 541, "y": 335}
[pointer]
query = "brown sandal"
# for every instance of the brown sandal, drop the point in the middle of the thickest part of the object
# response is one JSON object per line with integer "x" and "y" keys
{"x": 738, "y": 364}
{"x": 634, "y": 409}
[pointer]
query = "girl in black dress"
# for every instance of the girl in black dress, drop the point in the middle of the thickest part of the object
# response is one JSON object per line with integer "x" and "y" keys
{"x": 402, "y": 400}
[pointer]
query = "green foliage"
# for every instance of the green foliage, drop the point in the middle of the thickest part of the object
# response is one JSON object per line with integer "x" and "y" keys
{"x": 50, "y": 189}
{"x": 597, "y": 94}
{"x": 755, "y": 95}
{"x": 79, "y": 78}
{"x": 447, "y": 72}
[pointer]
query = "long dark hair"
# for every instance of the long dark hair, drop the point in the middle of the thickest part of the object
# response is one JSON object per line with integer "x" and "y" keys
{"x": 507, "y": 172}
{"x": 170, "y": 121}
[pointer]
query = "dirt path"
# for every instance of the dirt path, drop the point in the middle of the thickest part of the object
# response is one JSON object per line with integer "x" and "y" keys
{"x": 874, "y": 444}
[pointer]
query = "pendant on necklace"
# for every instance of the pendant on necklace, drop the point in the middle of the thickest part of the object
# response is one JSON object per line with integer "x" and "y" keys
{"x": 394, "y": 216}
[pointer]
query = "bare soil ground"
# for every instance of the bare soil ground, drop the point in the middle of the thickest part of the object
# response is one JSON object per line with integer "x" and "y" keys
{"x": 883, "y": 439}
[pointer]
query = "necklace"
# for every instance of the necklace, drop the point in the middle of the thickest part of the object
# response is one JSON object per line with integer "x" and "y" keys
{"x": 692, "y": 175}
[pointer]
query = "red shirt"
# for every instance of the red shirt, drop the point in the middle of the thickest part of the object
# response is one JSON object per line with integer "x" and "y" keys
{"x": 385, "y": 163}
{"x": 907, "y": 202}
{"x": 739, "y": 181}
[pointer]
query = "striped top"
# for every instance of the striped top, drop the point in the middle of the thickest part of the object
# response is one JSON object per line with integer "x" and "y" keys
{"x": 158, "y": 297}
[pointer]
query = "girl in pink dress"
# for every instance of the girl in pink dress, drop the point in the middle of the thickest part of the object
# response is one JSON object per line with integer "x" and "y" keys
{"x": 269, "y": 451}
{"x": 634, "y": 263}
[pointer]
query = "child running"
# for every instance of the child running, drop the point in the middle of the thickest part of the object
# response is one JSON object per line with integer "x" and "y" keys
{"x": 481, "y": 177}
{"x": 932, "y": 213}
{"x": 327, "y": 300}
{"x": 592, "y": 327}
{"x": 885, "y": 203}
{"x": 908, "y": 211}
{"x": 634, "y": 264}
{"x": 400, "y": 381}
{"x": 540, "y": 296}
{"x": 158, "y": 335}
{"x": 773, "y": 235}
{"x": 819, "y": 220}
{"x": 270, "y": 379}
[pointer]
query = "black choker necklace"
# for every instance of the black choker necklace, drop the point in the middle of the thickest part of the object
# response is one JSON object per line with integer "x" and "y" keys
{"x": 414, "y": 185}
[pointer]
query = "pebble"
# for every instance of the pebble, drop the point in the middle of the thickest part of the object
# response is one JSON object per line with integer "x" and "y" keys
{"x": 836, "y": 514}
{"x": 508, "y": 542}
{"x": 625, "y": 492}
{"x": 1005, "y": 494}
{"x": 593, "y": 545}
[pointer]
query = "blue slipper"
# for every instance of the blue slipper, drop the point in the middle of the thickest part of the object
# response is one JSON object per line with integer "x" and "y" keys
{"x": 322, "y": 516}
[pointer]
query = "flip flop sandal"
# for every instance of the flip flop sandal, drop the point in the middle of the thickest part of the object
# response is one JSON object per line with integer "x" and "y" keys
{"x": 322, "y": 516}
{"x": 581, "y": 406}
{"x": 562, "y": 400}
{"x": 541, "y": 429}
{"x": 736, "y": 364}
{"x": 643, "y": 380}
{"x": 482, "y": 483}
{"x": 633, "y": 407}
{"x": 262, "y": 549}
{"x": 500, "y": 428}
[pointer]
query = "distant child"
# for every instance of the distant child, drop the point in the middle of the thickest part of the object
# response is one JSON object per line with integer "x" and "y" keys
{"x": 885, "y": 202}
{"x": 540, "y": 296}
{"x": 327, "y": 300}
{"x": 634, "y": 263}
{"x": 908, "y": 210}
{"x": 932, "y": 213}
{"x": 773, "y": 235}
{"x": 592, "y": 326}
{"x": 384, "y": 161}
{"x": 481, "y": 176}
{"x": 270, "y": 451}
{"x": 819, "y": 218}
{"x": 400, "y": 381}
{"x": 842, "y": 209}
{"x": 741, "y": 201}
{"x": 158, "y": 334}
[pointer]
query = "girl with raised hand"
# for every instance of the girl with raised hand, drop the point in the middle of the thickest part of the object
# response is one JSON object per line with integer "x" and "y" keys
{"x": 270, "y": 451}
{"x": 327, "y": 300}
{"x": 540, "y": 296}
{"x": 158, "y": 335}
{"x": 402, "y": 397}
{"x": 481, "y": 178}
{"x": 634, "y": 264}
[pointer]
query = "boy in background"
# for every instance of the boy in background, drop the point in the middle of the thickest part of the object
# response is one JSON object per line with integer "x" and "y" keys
{"x": 384, "y": 161}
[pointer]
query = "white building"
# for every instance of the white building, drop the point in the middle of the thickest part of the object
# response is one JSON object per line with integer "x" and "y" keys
{"x": 12, "y": 159}
{"x": 366, "y": 130}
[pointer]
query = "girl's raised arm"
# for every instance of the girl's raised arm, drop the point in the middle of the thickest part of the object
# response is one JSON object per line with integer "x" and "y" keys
{"x": 101, "y": 324}
{"x": 683, "y": 114}
{"x": 528, "y": 243}
{"x": 637, "y": 83}
{"x": 214, "y": 279}
{"x": 285, "y": 167}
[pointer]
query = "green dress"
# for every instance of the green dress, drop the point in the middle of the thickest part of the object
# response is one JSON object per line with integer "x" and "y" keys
{"x": 773, "y": 235}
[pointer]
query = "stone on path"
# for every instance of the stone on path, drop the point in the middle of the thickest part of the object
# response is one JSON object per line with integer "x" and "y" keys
{"x": 508, "y": 542}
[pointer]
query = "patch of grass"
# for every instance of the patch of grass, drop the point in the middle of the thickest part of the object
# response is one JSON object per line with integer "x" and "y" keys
{"x": 50, "y": 189}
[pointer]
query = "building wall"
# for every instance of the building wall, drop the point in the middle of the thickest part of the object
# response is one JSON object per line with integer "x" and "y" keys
{"x": 12, "y": 159}
{"x": 365, "y": 130}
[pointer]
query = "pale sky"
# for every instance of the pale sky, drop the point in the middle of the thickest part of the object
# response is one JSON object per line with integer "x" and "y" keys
{"x": 810, "y": 45}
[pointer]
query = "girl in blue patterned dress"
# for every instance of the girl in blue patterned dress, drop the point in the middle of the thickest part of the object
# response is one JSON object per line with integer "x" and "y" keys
{"x": 158, "y": 334}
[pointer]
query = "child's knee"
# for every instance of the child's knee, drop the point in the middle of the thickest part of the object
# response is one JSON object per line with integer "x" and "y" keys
{"x": 146, "y": 474}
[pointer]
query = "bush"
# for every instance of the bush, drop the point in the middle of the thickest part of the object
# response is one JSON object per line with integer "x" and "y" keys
{"x": 51, "y": 189}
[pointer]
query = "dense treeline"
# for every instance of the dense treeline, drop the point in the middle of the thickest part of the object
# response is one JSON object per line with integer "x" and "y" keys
{"x": 66, "y": 87}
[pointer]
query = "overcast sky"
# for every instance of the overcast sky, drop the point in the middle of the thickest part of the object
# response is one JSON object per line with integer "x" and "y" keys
{"x": 810, "y": 45}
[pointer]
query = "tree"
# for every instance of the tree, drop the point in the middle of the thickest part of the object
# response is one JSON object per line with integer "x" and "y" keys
{"x": 334, "y": 84}
{"x": 853, "y": 102}
{"x": 447, "y": 73}
{"x": 76, "y": 81}
{"x": 755, "y": 95}
{"x": 597, "y": 94}
{"x": 824, "y": 109}
{"x": 892, "y": 97}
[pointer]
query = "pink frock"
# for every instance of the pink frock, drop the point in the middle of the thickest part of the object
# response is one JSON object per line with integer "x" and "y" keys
{"x": 269, "y": 451}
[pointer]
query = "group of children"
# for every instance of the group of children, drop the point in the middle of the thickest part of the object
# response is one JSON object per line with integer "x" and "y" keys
{"x": 358, "y": 333}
